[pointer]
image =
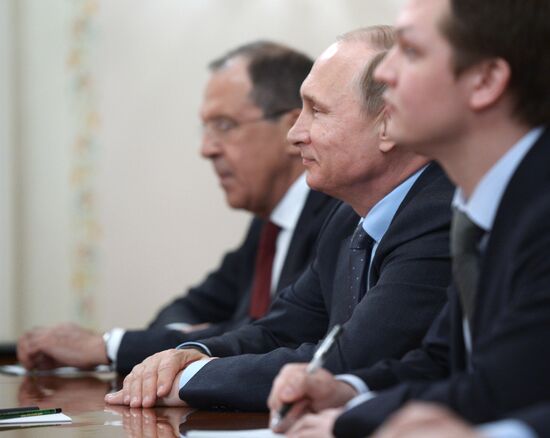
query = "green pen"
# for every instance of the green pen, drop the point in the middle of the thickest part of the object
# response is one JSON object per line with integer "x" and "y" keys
{"x": 30, "y": 413}
{"x": 18, "y": 410}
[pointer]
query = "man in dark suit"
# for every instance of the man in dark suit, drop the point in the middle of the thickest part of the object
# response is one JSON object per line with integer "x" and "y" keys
{"x": 385, "y": 292}
{"x": 468, "y": 84}
{"x": 250, "y": 102}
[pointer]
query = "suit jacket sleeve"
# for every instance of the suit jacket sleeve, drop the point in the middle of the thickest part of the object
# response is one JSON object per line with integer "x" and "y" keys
{"x": 509, "y": 364}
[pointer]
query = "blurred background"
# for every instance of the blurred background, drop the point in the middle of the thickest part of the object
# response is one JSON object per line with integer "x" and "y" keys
{"x": 107, "y": 210}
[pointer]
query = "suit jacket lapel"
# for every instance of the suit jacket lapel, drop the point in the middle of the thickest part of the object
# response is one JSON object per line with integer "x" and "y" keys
{"x": 302, "y": 237}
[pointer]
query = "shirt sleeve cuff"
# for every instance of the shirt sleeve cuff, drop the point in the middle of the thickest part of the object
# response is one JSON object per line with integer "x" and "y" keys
{"x": 191, "y": 370}
{"x": 355, "y": 382}
{"x": 196, "y": 345}
{"x": 179, "y": 326}
{"x": 506, "y": 429}
{"x": 361, "y": 398}
{"x": 112, "y": 344}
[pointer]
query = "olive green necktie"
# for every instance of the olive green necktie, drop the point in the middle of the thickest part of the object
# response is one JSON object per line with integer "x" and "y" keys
{"x": 465, "y": 237}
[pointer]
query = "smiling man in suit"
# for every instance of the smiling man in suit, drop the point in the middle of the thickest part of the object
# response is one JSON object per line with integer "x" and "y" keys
{"x": 251, "y": 100}
{"x": 468, "y": 84}
{"x": 382, "y": 263}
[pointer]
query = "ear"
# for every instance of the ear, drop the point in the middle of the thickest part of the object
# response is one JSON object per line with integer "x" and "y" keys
{"x": 386, "y": 145}
{"x": 489, "y": 81}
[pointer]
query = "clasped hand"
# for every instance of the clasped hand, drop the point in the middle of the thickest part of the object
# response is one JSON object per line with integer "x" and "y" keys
{"x": 155, "y": 381}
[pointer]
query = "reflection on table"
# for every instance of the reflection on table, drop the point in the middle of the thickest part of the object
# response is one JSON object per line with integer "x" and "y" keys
{"x": 81, "y": 398}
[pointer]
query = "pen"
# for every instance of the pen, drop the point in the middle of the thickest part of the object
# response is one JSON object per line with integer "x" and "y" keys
{"x": 315, "y": 363}
{"x": 19, "y": 409}
{"x": 28, "y": 413}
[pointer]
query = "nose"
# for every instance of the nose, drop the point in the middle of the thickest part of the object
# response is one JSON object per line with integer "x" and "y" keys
{"x": 385, "y": 72}
{"x": 210, "y": 146}
{"x": 299, "y": 133}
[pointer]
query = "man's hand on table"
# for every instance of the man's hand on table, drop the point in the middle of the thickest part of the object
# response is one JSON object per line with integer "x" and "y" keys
{"x": 61, "y": 345}
{"x": 155, "y": 381}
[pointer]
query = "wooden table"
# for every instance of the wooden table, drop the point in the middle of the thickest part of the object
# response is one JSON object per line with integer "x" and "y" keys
{"x": 81, "y": 398}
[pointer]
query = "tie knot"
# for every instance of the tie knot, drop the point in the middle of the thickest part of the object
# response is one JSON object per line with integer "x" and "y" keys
{"x": 465, "y": 234}
{"x": 270, "y": 229}
{"x": 360, "y": 239}
{"x": 268, "y": 236}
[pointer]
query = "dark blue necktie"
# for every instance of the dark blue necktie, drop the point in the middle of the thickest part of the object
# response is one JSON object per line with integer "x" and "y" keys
{"x": 359, "y": 262}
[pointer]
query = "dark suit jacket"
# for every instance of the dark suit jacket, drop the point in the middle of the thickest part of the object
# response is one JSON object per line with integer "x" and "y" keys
{"x": 510, "y": 329}
{"x": 223, "y": 297}
{"x": 409, "y": 274}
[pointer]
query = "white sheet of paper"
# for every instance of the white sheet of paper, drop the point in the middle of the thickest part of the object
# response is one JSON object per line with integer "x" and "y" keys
{"x": 36, "y": 420}
{"x": 250, "y": 433}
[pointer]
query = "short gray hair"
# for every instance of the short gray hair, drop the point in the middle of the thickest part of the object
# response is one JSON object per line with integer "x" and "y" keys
{"x": 276, "y": 72}
{"x": 380, "y": 38}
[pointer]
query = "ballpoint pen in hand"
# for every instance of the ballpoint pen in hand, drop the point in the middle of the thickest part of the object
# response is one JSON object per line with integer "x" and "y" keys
{"x": 316, "y": 362}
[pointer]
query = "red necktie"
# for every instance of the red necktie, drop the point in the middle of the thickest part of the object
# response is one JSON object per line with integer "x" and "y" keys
{"x": 261, "y": 287}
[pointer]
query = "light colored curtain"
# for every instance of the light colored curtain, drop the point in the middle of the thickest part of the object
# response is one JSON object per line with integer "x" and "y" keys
{"x": 7, "y": 163}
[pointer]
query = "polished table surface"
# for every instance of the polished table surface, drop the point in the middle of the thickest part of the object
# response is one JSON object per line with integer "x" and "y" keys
{"x": 81, "y": 398}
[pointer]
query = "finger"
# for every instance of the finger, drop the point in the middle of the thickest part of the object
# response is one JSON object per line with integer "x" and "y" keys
{"x": 149, "y": 387}
{"x": 169, "y": 365}
{"x": 294, "y": 414}
{"x": 304, "y": 427}
{"x": 289, "y": 386}
{"x": 23, "y": 354}
{"x": 126, "y": 388}
{"x": 116, "y": 398}
{"x": 135, "y": 389}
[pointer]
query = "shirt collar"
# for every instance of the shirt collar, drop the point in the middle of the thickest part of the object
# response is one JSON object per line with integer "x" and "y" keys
{"x": 379, "y": 218}
{"x": 287, "y": 212}
{"x": 482, "y": 206}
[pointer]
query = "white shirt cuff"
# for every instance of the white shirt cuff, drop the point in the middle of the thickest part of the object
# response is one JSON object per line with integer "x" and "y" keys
{"x": 506, "y": 429}
{"x": 179, "y": 326}
{"x": 355, "y": 382}
{"x": 361, "y": 398}
{"x": 113, "y": 343}
{"x": 191, "y": 370}
{"x": 195, "y": 345}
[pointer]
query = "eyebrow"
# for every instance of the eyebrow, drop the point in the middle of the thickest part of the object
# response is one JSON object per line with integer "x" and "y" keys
{"x": 313, "y": 100}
